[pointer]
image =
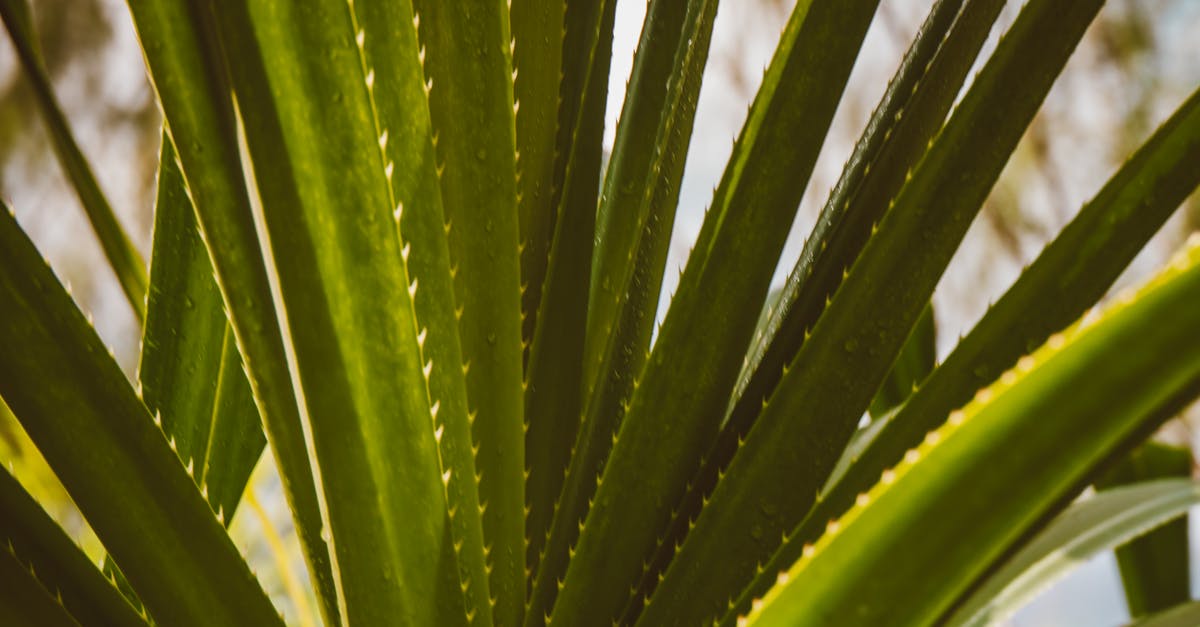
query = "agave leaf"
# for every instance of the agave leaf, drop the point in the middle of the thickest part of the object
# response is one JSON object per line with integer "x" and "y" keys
{"x": 190, "y": 371}
{"x": 624, "y": 311}
{"x": 471, "y": 106}
{"x": 189, "y": 75}
{"x": 1154, "y": 568}
{"x": 617, "y": 353}
{"x": 34, "y": 539}
{"x": 808, "y": 421}
{"x": 1070, "y": 274}
{"x": 25, "y": 601}
{"x": 1182, "y": 615}
{"x": 1096, "y": 524}
{"x": 586, "y": 24}
{"x": 343, "y": 283}
{"x": 537, "y": 35}
{"x": 917, "y": 359}
{"x": 236, "y": 440}
{"x": 956, "y": 490}
{"x": 859, "y": 442}
{"x": 403, "y": 109}
{"x": 124, "y": 259}
{"x": 553, "y": 392}
{"x": 78, "y": 408}
{"x": 583, "y": 28}
{"x": 738, "y": 247}
{"x": 622, "y": 212}
{"x": 912, "y": 109}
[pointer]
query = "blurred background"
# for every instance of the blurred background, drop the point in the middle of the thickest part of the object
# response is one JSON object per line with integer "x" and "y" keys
{"x": 1139, "y": 60}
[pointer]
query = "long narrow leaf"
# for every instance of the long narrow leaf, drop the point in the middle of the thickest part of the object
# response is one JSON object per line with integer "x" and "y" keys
{"x": 917, "y": 359}
{"x": 32, "y": 537}
{"x": 347, "y": 298}
{"x": 407, "y": 139}
{"x": 189, "y": 75}
{"x": 537, "y": 35}
{"x": 554, "y": 377}
{"x": 622, "y": 214}
{"x": 911, "y": 110}
{"x": 1070, "y": 274}
{"x": 190, "y": 371}
{"x": 958, "y": 489}
{"x": 1102, "y": 522}
{"x": 643, "y": 191}
{"x": 810, "y": 418}
{"x": 24, "y": 601}
{"x": 468, "y": 69}
{"x": 675, "y": 412}
{"x": 910, "y": 113}
{"x": 80, "y": 411}
{"x": 1154, "y": 568}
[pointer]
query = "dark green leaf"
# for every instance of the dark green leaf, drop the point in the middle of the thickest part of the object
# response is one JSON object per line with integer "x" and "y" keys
{"x": 33, "y": 538}
{"x": 343, "y": 285}
{"x": 982, "y": 481}
{"x": 1098, "y": 523}
{"x": 189, "y": 74}
{"x": 677, "y": 407}
{"x": 468, "y": 67}
{"x": 78, "y": 408}
{"x": 553, "y": 380}
{"x": 808, "y": 421}
{"x": 1154, "y": 568}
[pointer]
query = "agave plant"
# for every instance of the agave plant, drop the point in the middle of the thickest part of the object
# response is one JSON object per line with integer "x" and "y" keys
{"x": 387, "y": 244}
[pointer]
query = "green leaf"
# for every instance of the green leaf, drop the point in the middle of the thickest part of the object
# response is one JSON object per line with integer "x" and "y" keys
{"x": 678, "y": 400}
{"x": 917, "y": 359}
{"x": 77, "y": 407}
{"x": 859, "y": 443}
{"x": 33, "y": 538}
{"x": 910, "y": 112}
{"x": 537, "y": 36}
{"x": 189, "y": 75}
{"x": 808, "y": 421}
{"x": 471, "y": 106}
{"x": 403, "y": 109}
{"x": 623, "y": 210}
{"x": 1154, "y": 568}
{"x": 346, "y": 297}
{"x": 124, "y": 259}
{"x": 953, "y": 505}
{"x": 585, "y": 24}
{"x": 1182, "y": 615}
{"x": 1070, "y": 274}
{"x": 190, "y": 371}
{"x": 1096, "y": 524}
{"x": 24, "y": 601}
{"x": 646, "y": 178}
{"x": 553, "y": 390}
{"x": 567, "y": 107}
{"x": 625, "y": 301}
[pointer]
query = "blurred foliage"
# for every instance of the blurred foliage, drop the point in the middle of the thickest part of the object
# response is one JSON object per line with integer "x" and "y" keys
{"x": 73, "y": 33}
